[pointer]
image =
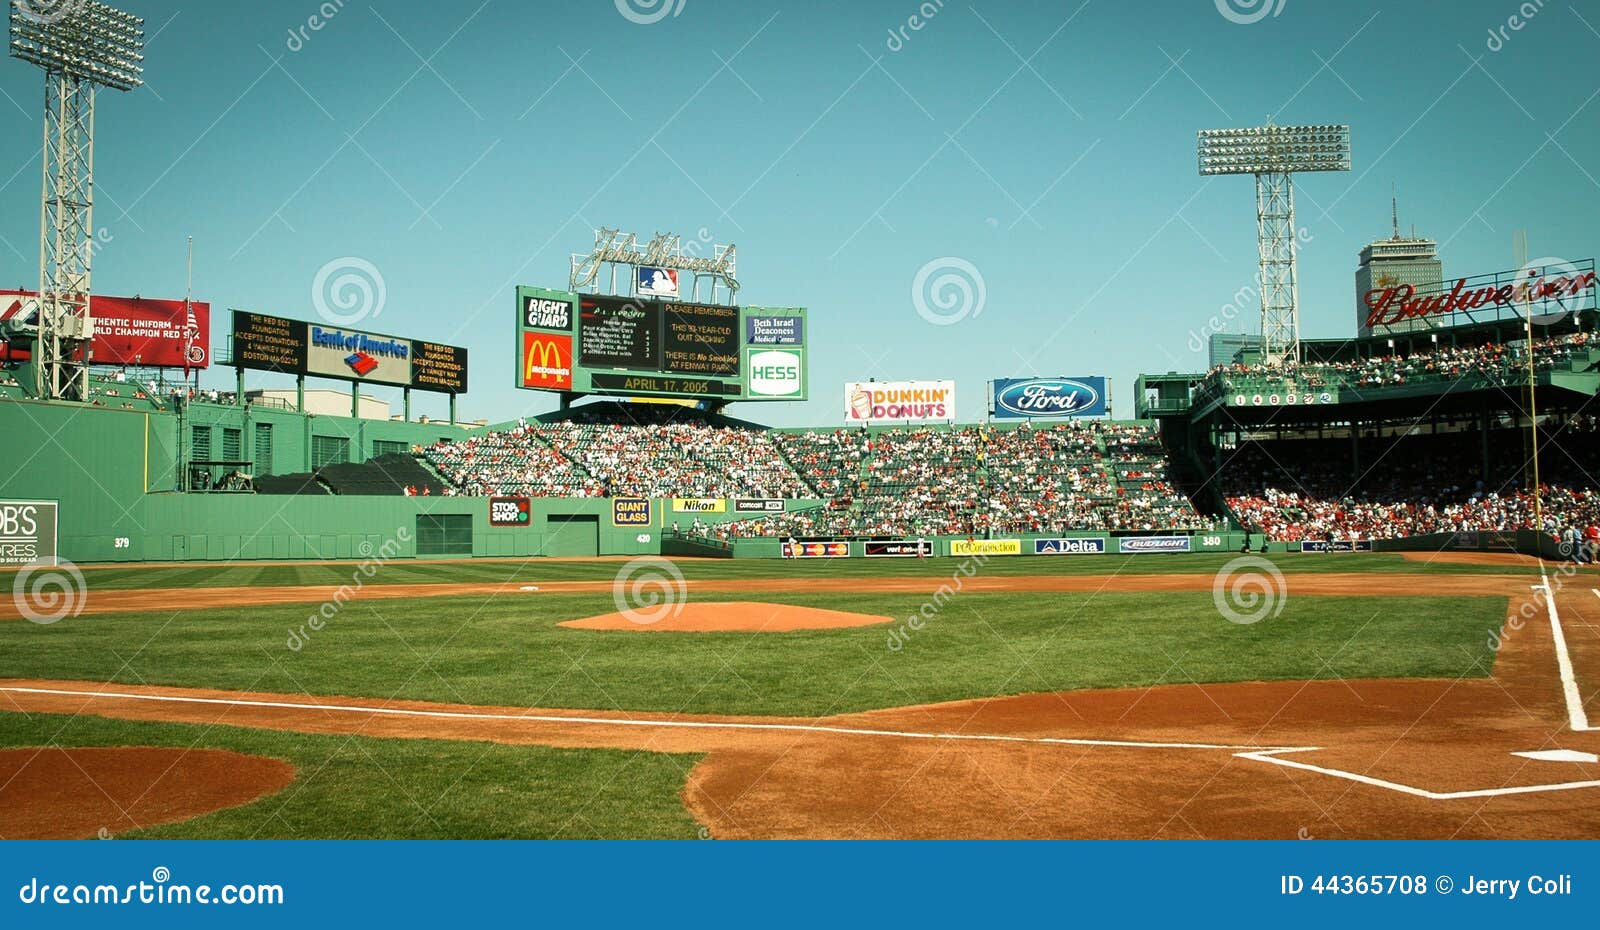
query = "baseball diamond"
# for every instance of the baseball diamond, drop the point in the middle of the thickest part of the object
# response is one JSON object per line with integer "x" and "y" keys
{"x": 677, "y": 547}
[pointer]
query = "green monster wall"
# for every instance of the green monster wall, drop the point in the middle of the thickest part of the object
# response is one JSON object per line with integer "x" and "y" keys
{"x": 116, "y": 472}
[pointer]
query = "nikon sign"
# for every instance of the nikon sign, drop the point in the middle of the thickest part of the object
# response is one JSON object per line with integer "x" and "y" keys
{"x": 28, "y": 532}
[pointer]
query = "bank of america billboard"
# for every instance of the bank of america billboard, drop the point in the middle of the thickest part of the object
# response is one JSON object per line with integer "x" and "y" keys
{"x": 1049, "y": 398}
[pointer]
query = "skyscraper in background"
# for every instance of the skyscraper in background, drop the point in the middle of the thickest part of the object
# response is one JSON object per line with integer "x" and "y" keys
{"x": 1225, "y": 348}
{"x": 1393, "y": 262}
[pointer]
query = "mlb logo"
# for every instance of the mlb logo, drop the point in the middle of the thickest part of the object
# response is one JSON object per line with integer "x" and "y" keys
{"x": 657, "y": 282}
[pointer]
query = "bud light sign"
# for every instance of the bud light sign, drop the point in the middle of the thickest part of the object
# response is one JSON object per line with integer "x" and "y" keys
{"x": 1049, "y": 398}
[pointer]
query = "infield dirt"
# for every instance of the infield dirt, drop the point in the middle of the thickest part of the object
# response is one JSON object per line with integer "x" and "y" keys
{"x": 1336, "y": 758}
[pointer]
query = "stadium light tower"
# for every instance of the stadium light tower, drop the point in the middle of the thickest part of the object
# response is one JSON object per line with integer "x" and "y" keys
{"x": 82, "y": 45}
{"x": 1274, "y": 154}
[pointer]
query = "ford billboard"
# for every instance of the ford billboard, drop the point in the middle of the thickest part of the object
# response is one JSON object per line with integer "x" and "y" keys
{"x": 1050, "y": 398}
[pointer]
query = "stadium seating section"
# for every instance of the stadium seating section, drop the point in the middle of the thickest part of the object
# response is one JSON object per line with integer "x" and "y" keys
{"x": 892, "y": 482}
{"x": 1082, "y": 476}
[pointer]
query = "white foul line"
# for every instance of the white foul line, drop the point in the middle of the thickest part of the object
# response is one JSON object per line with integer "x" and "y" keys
{"x": 1251, "y": 753}
{"x": 1569, "y": 680}
{"x": 1272, "y": 756}
{"x": 629, "y": 722}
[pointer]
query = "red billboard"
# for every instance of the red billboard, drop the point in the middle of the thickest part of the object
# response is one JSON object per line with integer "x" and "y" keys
{"x": 546, "y": 361}
{"x": 134, "y": 330}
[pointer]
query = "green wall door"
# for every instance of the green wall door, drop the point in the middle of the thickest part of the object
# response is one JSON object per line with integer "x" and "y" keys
{"x": 571, "y": 536}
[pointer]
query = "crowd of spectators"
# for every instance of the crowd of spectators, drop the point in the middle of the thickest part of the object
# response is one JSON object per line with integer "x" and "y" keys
{"x": 1496, "y": 363}
{"x": 893, "y": 482}
{"x": 1417, "y": 485}
{"x": 516, "y": 461}
{"x": 588, "y": 459}
{"x": 929, "y": 481}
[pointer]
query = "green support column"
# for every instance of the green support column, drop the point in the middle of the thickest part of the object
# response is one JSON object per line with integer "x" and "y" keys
{"x": 406, "y": 394}
{"x": 452, "y": 410}
{"x": 300, "y": 393}
{"x": 355, "y": 401}
{"x": 238, "y": 387}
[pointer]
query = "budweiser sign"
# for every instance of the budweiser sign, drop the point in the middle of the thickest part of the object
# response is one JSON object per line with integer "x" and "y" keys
{"x": 1387, "y": 306}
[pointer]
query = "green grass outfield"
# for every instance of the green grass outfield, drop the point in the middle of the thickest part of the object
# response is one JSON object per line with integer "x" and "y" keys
{"x": 355, "y": 787}
{"x": 508, "y": 650}
{"x": 246, "y": 574}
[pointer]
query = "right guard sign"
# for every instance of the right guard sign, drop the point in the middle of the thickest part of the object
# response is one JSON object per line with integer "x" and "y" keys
{"x": 28, "y": 532}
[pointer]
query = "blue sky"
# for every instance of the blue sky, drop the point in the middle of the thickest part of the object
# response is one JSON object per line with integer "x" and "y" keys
{"x": 464, "y": 148}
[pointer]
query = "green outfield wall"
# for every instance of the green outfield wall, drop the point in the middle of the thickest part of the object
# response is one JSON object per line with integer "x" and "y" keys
{"x": 117, "y": 473}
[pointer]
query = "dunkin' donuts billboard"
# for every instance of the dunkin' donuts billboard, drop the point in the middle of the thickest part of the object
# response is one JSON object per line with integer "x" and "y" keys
{"x": 872, "y": 402}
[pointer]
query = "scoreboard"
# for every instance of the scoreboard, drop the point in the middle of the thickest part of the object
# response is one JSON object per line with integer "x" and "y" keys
{"x": 628, "y": 346}
{"x": 296, "y": 347}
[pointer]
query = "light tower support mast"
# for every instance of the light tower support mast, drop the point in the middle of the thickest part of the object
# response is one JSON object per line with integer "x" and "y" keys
{"x": 81, "y": 45}
{"x": 1274, "y": 154}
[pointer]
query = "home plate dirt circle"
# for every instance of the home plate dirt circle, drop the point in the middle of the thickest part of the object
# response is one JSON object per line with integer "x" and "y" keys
{"x": 81, "y": 793}
{"x": 728, "y": 617}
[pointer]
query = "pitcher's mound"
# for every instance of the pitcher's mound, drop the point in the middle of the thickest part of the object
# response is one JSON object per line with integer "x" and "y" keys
{"x": 57, "y": 794}
{"x": 726, "y": 617}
